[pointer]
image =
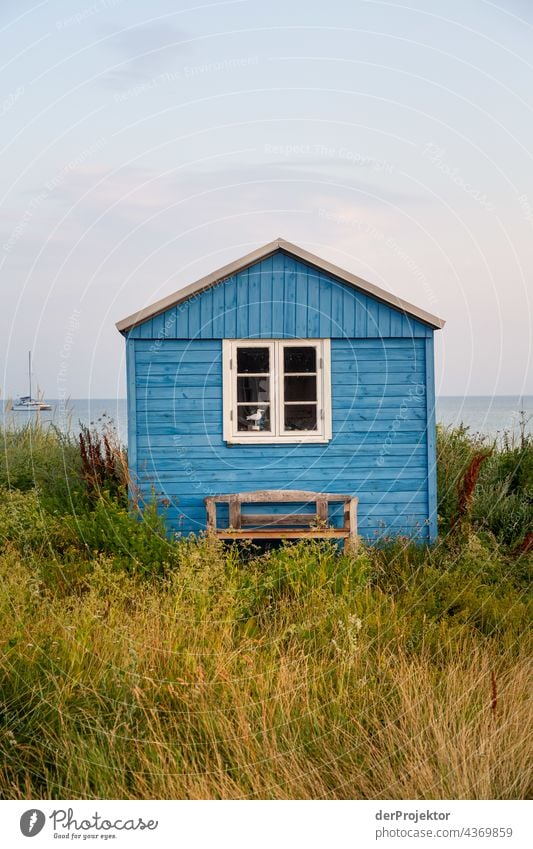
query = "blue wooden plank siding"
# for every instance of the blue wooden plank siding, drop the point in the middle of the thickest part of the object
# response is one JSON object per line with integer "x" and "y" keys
{"x": 383, "y": 400}
{"x": 431, "y": 438}
{"x": 379, "y": 449}
{"x": 281, "y": 297}
{"x": 132, "y": 403}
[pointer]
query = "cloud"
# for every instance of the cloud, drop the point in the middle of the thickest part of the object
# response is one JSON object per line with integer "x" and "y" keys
{"x": 136, "y": 195}
{"x": 372, "y": 182}
{"x": 144, "y": 51}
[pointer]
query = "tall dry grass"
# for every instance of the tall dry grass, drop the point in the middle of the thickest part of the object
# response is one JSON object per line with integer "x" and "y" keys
{"x": 137, "y": 666}
{"x": 127, "y": 689}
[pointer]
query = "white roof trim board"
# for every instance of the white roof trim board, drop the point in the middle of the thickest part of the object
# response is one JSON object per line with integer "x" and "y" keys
{"x": 256, "y": 256}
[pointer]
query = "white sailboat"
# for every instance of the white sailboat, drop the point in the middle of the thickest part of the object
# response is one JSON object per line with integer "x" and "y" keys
{"x": 26, "y": 402}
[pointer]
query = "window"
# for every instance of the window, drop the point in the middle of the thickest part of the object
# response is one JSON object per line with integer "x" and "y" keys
{"x": 277, "y": 391}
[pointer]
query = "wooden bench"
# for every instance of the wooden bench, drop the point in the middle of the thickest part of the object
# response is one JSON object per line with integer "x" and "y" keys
{"x": 279, "y": 526}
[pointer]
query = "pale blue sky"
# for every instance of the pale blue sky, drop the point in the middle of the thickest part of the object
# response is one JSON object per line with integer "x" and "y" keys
{"x": 143, "y": 145}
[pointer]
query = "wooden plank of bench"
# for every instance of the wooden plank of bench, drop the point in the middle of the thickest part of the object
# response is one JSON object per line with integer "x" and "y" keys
{"x": 333, "y": 533}
{"x": 265, "y": 496}
{"x": 248, "y": 519}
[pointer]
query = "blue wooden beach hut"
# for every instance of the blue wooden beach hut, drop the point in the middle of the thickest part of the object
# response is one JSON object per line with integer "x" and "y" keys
{"x": 281, "y": 371}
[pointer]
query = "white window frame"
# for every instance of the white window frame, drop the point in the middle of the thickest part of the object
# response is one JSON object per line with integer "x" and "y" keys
{"x": 277, "y": 434}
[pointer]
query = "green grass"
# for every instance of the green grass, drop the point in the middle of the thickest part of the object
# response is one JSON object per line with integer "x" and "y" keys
{"x": 134, "y": 666}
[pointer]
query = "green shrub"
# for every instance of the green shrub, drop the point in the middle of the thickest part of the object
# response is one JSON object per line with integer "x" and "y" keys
{"x": 28, "y": 528}
{"x": 508, "y": 514}
{"x": 502, "y": 500}
{"x": 138, "y": 542}
{"x": 455, "y": 449}
{"x": 32, "y": 456}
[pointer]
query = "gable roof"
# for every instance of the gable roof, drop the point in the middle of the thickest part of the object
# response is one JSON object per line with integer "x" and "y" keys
{"x": 256, "y": 256}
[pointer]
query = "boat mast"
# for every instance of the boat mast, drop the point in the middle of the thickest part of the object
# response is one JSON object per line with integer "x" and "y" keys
{"x": 29, "y": 371}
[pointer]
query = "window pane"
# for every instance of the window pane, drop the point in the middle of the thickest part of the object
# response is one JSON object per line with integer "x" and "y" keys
{"x": 300, "y": 359}
{"x": 253, "y": 389}
{"x": 300, "y": 388}
{"x": 253, "y": 360}
{"x": 300, "y": 417}
{"x": 253, "y": 418}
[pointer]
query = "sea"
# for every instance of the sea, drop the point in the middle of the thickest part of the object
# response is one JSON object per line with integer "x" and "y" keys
{"x": 484, "y": 414}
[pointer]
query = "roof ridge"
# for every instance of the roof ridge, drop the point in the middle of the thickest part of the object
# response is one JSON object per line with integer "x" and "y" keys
{"x": 257, "y": 255}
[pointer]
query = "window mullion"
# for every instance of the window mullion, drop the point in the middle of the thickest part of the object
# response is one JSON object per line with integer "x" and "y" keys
{"x": 234, "y": 408}
{"x": 281, "y": 388}
{"x": 276, "y": 388}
